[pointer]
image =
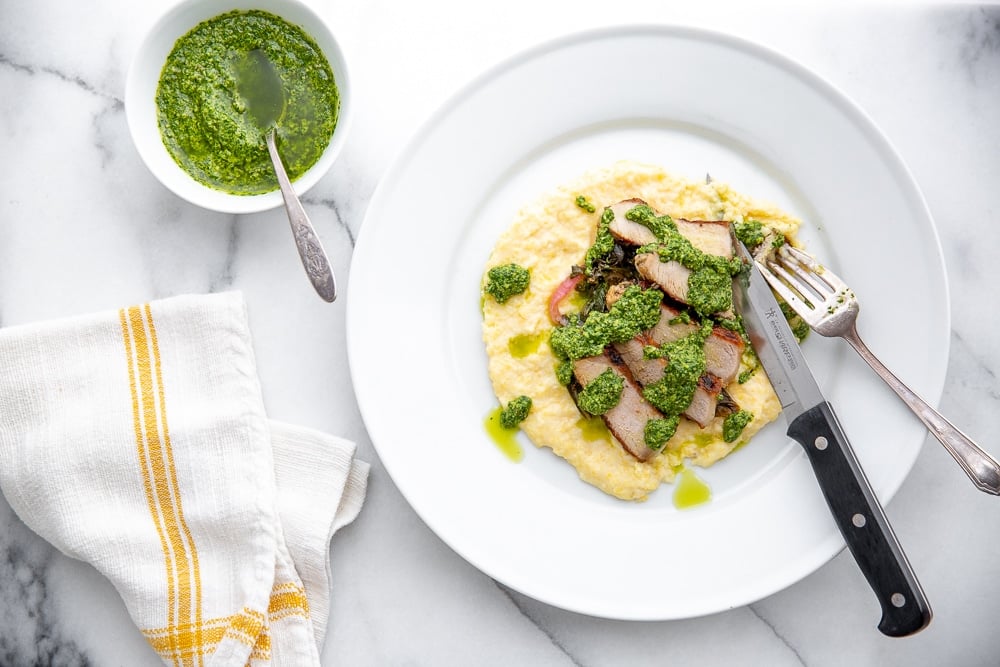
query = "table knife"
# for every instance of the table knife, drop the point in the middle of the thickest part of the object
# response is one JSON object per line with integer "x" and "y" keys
{"x": 813, "y": 424}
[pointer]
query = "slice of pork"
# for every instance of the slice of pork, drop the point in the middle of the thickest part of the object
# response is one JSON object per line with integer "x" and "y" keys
{"x": 631, "y": 352}
{"x": 712, "y": 237}
{"x": 723, "y": 352}
{"x": 723, "y": 349}
{"x": 672, "y": 277}
{"x": 706, "y": 395}
{"x": 702, "y": 408}
{"x": 624, "y": 229}
{"x": 627, "y": 420}
{"x": 668, "y": 328}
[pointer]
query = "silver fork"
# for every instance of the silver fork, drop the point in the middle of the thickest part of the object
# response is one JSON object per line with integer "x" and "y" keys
{"x": 828, "y": 305}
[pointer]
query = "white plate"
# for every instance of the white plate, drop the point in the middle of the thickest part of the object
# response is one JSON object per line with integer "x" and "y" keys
{"x": 694, "y": 102}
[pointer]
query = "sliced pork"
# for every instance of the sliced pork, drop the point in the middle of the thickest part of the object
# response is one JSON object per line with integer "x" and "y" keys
{"x": 703, "y": 403}
{"x": 712, "y": 237}
{"x": 627, "y": 420}
{"x": 723, "y": 352}
{"x": 671, "y": 277}
{"x": 632, "y": 353}
{"x": 669, "y": 328}
{"x": 624, "y": 229}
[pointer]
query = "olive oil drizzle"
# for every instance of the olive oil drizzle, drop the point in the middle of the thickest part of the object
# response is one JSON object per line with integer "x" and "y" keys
{"x": 504, "y": 438}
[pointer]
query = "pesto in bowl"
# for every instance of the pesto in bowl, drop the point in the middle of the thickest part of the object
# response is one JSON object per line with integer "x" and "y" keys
{"x": 204, "y": 121}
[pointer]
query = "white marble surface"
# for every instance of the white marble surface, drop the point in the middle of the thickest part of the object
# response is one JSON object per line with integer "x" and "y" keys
{"x": 84, "y": 226}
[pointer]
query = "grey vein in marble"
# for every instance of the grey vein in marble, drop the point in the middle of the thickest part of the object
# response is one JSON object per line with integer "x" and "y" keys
{"x": 510, "y": 595}
{"x": 980, "y": 52}
{"x": 31, "y": 633}
{"x": 331, "y": 204}
{"x": 784, "y": 640}
{"x": 76, "y": 80}
{"x": 987, "y": 383}
{"x": 224, "y": 279}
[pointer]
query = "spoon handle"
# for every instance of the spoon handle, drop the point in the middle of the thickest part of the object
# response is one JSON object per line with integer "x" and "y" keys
{"x": 310, "y": 249}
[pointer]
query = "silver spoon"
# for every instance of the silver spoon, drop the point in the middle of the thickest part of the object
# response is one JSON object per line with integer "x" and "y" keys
{"x": 260, "y": 86}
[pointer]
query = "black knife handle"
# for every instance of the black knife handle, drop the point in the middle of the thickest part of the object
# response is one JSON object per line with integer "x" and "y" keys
{"x": 862, "y": 521}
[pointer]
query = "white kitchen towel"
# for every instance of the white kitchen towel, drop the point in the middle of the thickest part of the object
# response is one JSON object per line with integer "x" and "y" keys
{"x": 137, "y": 441}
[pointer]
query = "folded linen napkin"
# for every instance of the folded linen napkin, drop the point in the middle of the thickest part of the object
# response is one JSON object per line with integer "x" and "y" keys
{"x": 137, "y": 441}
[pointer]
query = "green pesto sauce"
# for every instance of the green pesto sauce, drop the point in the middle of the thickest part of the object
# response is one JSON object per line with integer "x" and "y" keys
{"x": 604, "y": 242}
{"x": 522, "y": 345}
{"x": 734, "y": 425}
{"x": 602, "y": 393}
{"x": 515, "y": 412}
{"x": 504, "y": 438}
{"x": 205, "y": 123}
{"x": 662, "y": 226}
{"x": 636, "y": 310}
{"x": 583, "y": 203}
{"x": 750, "y": 233}
{"x": 691, "y": 491}
{"x": 672, "y": 394}
{"x": 564, "y": 372}
{"x": 506, "y": 280}
{"x": 658, "y": 431}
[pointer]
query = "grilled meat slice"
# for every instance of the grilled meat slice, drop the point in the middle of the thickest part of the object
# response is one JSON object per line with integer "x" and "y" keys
{"x": 723, "y": 349}
{"x": 624, "y": 229}
{"x": 627, "y": 420}
{"x": 671, "y": 276}
{"x": 645, "y": 371}
{"x": 712, "y": 237}
{"x": 702, "y": 408}
{"x": 723, "y": 352}
{"x": 668, "y": 328}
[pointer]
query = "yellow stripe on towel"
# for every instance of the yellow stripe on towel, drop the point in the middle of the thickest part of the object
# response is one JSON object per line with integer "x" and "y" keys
{"x": 160, "y": 484}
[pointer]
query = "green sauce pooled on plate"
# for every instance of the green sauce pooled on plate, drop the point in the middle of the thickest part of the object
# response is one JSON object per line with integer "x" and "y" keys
{"x": 205, "y": 122}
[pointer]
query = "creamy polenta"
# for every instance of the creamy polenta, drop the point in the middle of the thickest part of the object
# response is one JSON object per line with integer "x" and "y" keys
{"x": 547, "y": 238}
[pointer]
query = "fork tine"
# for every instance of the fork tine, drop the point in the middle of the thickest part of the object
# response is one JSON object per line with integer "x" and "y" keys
{"x": 828, "y": 276}
{"x": 805, "y": 275}
{"x": 797, "y": 303}
{"x": 808, "y": 296}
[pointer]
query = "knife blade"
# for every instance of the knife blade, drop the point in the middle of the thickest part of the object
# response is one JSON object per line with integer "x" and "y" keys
{"x": 814, "y": 425}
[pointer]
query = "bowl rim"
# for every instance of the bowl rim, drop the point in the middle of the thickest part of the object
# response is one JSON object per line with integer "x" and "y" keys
{"x": 143, "y": 77}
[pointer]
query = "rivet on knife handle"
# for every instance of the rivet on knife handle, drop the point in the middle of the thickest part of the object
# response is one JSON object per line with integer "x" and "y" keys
{"x": 862, "y": 522}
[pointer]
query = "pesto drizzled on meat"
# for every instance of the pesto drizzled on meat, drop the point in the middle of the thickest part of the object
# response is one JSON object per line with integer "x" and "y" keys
{"x": 636, "y": 311}
{"x": 602, "y": 393}
{"x": 710, "y": 285}
{"x": 685, "y": 364}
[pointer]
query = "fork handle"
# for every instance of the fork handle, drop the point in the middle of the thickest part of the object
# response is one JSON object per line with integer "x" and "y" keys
{"x": 982, "y": 469}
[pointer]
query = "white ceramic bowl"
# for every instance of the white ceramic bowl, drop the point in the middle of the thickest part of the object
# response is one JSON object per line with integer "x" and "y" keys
{"x": 144, "y": 75}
